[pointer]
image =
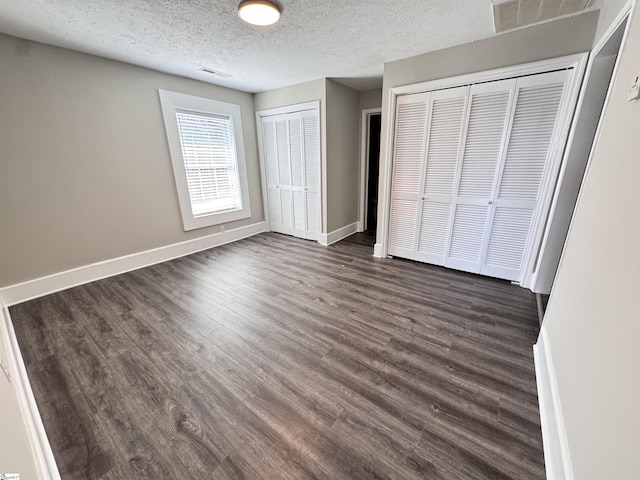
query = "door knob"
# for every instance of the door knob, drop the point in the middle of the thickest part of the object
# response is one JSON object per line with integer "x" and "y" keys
{"x": 490, "y": 202}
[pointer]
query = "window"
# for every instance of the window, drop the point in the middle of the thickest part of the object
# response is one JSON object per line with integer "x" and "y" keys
{"x": 205, "y": 142}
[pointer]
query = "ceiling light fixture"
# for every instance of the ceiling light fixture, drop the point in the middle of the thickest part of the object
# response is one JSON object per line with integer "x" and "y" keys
{"x": 259, "y": 12}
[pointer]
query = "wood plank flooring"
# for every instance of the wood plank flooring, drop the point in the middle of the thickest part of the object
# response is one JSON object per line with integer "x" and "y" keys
{"x": 277, "y": 358}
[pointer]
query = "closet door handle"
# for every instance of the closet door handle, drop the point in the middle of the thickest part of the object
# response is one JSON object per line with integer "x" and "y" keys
{"x": 490, "y": 202}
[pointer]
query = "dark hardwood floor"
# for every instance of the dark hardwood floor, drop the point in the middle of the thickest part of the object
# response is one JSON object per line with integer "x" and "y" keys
{"x": 277, "y": 358}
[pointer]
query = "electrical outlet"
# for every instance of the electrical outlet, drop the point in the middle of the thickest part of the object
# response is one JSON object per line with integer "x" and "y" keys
{"x": 221, "y": 228}
{"x": 5, "y": 369}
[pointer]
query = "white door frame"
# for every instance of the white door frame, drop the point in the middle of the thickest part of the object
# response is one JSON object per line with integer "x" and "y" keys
{"x": 299, "y": 107}
{"x": 364, "y": 165}
{"x": 543, "y": 275}
{"x": 576, "y": 62}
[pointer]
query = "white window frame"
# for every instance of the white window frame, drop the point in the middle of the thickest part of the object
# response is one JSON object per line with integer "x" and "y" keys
{"x": 172, "y": 102}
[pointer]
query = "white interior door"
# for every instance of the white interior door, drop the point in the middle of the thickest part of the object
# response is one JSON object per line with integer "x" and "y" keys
{"x": 272, "y": 174}
{"x": 284, "y": 174}
{"x": 470, "y": 166}
{"x": 291, "y": 156}
{"x": 409, "y": 153}
{"x": 445, "y": 127}
{"x": 485, "y": 136}
{"x": 311, "y": 154}
{"x": 525, "y": 173}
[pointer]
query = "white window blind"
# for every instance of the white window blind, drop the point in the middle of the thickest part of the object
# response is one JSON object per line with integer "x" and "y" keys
{"x": 210, "y": 162}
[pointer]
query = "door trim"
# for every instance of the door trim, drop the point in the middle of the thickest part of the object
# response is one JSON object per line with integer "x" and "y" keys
{"x": 543, "y": 277}
{"x": 364, "y": 165}
{"x": 577, "y": 63}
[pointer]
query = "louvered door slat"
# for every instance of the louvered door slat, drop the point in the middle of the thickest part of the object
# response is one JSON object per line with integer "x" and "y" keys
{"x": 525, "y": 167}
{"x": 271, "y": 164}
{"x": 286, "y": 202}
{"x": 488, "y": 121}
{"x": 444, "y": 143}
{"x": 443, "y": 148}
{"x": 282, "y": 142}
{"x": 295, "y": 151}
{"x": 402, "y": 229}
{"x": 533, "y": 125}
{"x": 485, "y": 137}
{"x": 467, "y": 237}
{"x": 508, "y": 239}
{"x": 313, "y": 214}
{"x": 275, "y": 208}
{"x": 434, "y": 228}
{"x": 409, "y": 147}
{"x": 270, "y": 152}
{"x": 299, "y": 221}
{"x": 311, "y": 154}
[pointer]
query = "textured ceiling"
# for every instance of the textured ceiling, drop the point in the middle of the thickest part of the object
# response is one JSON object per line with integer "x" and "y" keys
{"x": 349, "y": 40}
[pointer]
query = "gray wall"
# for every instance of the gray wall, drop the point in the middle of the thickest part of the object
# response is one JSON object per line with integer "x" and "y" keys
{"x": 371, "y": 98}
{"x": 86, "y": 173}
{"x": 299, "y": 93}
{"x": 342, "y": 155}
{"x": 548, "y": 40}
{"x": 539, "y": 42}
{"x": 593, "y": 319}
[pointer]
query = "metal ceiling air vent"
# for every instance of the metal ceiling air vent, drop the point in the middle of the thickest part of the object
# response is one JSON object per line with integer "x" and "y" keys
{"x": 510, "y": 14}
{"x": 215, "y": 72}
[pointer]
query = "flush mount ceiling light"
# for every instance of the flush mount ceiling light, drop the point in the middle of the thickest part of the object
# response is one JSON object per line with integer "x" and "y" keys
{"x": 259, "y": 12}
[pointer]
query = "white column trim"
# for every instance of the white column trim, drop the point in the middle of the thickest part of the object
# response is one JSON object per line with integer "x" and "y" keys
{"x": 557, "y": 458}
{"x": 45, "y": 462}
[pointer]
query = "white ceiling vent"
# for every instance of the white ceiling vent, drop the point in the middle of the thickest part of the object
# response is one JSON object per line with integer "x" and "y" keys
{"x": 510, "y": 14}
{"x": 215, "y": 72}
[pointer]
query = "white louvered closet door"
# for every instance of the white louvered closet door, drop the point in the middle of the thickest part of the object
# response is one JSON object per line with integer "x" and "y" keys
{"x": 270, "y": 152}
{"x": 299, "y": 223}
{"x": 445, "y": 128}
{"x": 311, "y": 156}
{"x": 470, "y": 165}
{"x": 485, "y": 136}
{"x": 524, "y": 174}
{"x": 291, "y": 154}
{"x": 408, "y": 162}
{"x": 284, "y": 171}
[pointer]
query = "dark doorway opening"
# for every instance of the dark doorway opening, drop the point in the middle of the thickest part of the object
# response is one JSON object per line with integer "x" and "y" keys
{"x": 373, "y": 170}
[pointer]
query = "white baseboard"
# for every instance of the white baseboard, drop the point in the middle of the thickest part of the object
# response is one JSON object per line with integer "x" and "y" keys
{"x": 360, "y": 226}
{"x": 39, "y": 287}
{"x": 377, "y": 250}
{"x": 339, "y": 234}
{"x": 45, "y": 463}
{"x": 554, "y": 437}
